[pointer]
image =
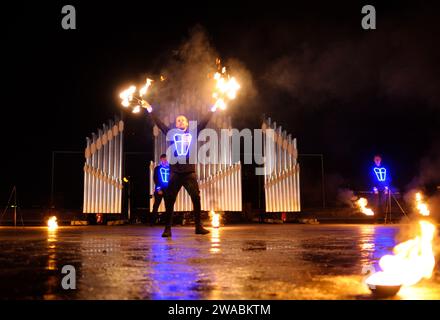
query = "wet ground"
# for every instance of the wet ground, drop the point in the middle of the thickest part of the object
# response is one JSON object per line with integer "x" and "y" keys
{"x": 287, "y": 261}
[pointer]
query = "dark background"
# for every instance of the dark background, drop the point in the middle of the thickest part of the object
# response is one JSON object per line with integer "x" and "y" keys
{"x": 344, "y": 92}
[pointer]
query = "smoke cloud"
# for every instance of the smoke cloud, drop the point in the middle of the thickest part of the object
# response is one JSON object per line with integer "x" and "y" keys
{"x": 356, "y": 67}
{"x": 346, "y": 197}
{"x": 429, "y": 168}
{"x": 188, "y": 84}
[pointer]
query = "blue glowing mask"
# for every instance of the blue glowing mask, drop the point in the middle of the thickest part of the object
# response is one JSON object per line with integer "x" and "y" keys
{"x": 182, "y": 142}
{"x": 381, "y": 173}
{"x": 164, "y": 174}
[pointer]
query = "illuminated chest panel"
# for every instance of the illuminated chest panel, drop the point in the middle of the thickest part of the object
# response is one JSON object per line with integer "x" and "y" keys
{"x": 182, "y": 141}
{"x": 381, "y": 174}
{"x": 164, "y": 174}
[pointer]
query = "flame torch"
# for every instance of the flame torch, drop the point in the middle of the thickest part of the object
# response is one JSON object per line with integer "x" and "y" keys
{"x": 225, "y": 88}
{"x": 135, "y": 99}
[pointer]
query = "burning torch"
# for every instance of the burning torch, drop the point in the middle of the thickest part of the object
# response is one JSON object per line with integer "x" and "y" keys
{"x": 225, "y": 88}
{"x": 135, "y": 99}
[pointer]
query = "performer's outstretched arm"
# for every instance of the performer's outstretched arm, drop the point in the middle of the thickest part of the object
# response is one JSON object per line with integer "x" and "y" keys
{"x": 164, "y": 128}
{"x": 204, "y": 122}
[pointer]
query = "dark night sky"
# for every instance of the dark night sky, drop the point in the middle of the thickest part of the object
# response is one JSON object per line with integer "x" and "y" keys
{"x": 342, "y": 91}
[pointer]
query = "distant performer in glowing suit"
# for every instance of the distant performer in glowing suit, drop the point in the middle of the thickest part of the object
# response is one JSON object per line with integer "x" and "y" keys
{"x": 381, "y": 184}
{"x": 182, "y": 172}
{"x": 161, "y": 177}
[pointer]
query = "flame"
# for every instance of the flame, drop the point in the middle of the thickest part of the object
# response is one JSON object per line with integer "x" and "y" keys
{"x": 52, "y": 223}
{"x": 362, "y": 204}
{"x": 215, "y": 219}
{"x": 137, "y": 109}
{"x": 225, "y": 88}
{"x": 127, "y": 96}
{"x": 144, "y": 89}
{"x": 421, "y": 206}
{"x": 413, "y": 260}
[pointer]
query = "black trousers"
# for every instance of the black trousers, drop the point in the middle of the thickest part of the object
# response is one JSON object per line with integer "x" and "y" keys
{"x": 189, "y": 182}
{"x": 157, "y": 200}
{"x": 380, "y": 204}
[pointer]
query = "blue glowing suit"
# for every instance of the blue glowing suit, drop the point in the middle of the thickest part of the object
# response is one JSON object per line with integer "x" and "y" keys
{"x": 182, "y": 142}
{"x": 161, "y": 177}
{"x": 380, "y": 177}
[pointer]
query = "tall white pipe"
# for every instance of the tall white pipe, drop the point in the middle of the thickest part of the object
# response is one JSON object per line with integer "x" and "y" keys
{"x": 120, "y": 153}
{"x": 100, "y": 168}
{"x": 94, "y": 175}
{"x": 230, "y": 191}
{"x": 104, "y": 169}
{"x": 291, "y": 190}
{"x": 111, "y": 166}
{"x": 239, "y": 173}
{"x": 115, "y": 141}
{"x": 116, "y": 138}
{"x": 87, "y": 155}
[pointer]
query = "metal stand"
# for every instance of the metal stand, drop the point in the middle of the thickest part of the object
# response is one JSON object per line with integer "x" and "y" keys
{"x": 388, "y": 206}
{"x": 13, "y": 194}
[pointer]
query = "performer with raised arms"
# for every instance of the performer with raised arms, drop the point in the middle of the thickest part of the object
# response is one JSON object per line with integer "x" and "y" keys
{"x": 182, "y": 171}
{"x": 184, "y": 141}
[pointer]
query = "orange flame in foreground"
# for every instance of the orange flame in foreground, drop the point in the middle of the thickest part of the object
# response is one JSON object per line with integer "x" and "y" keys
{"x": 362, "y": 204}
{"x": 412, "y": 261}
{"x": 422, "y": 207}
{"x": 215, "y": 219}
{"x": 52, "y": 223}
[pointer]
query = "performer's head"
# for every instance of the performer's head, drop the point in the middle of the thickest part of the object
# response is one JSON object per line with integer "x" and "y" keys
{"x": 163, "y": 159}
{"x": 378, "y": 159}
{"x": 182, "y": 123}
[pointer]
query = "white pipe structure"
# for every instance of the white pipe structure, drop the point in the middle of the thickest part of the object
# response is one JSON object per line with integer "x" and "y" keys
{"x": 281, "y": 185}
{"x": 103, "y": 169}
{"x": 220, "y": 184}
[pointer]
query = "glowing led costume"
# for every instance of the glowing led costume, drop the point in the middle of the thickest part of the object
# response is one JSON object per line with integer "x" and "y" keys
{"x": 381, "y": 187}
{"x": 164, "y": 174}
{"x": 380, "y": 179}
{"x": 381, "y": 173}
{"x": 161, "y": 178}
{"x": 182, "y": 142}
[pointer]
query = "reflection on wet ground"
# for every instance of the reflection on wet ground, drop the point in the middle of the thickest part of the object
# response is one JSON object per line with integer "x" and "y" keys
{"x": 233, "y": 262}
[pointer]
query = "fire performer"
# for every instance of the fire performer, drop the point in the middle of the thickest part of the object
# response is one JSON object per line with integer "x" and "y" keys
{"x": 161, "y": 178}
{"x": 380, "y": 180}
{"x": 182, "y": 171}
